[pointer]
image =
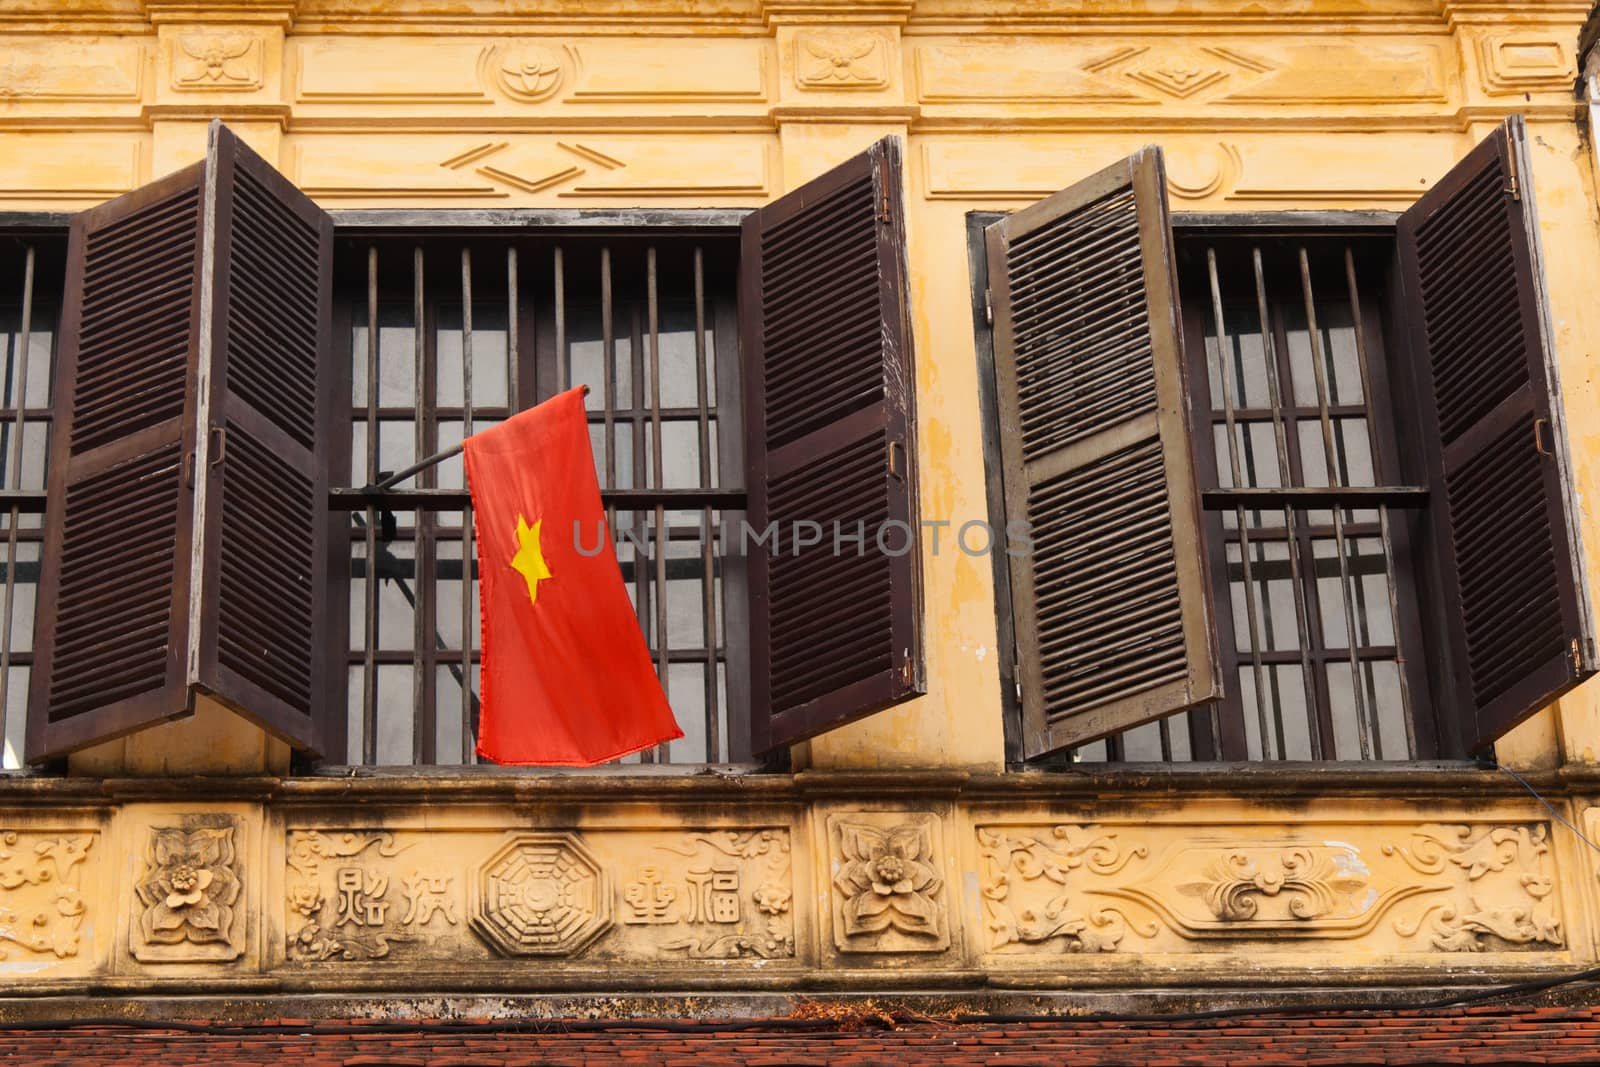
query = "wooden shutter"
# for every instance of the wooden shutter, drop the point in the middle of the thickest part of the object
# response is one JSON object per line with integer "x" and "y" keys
{"x": 830, "y": 438}
{"x": 1513, "y": 607}
{"x": 187, "y": 487}
{"x": 1114, "y": 619}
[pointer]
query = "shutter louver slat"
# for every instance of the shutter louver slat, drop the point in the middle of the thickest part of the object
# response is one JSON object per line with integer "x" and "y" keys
{"x": 830, "y": 439}
{"x": 188, "y": 493}
{"x": 1513, "y": 610}
{"x": 114, "y": 603}
{"x": 133, "y": 348}
{"x": 1113, "y": 617}
{"x": 265, "y": 631}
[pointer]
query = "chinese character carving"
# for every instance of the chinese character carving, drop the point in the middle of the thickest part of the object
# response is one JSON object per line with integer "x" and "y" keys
{"x": 361, "y": 897}
{"x": 649, "y": 900}
{"x": 714, "y": 894}
{"x": 427, "y": 897}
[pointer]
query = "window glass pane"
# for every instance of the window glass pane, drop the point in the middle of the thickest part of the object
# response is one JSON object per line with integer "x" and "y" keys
{"x": 679, "y": 375}
{"x": 490, "y": 361}
{"x": 1245, "y": 363}
{"x": 1380, "y": 692}
{"x": 16, "y": 719}
{"x": 397, "y": 357}
{"x": 1369, "y": 592}
{"x": 1339, "y": 352}
{"x": 447, "y": 728}
{"x": 1276, "y": 622}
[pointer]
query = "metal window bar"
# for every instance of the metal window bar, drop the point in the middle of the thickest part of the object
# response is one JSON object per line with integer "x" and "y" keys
{"x": 652, "y": 512}
{"x": 15, "y": 662}
{"x": 1364, "y": 729}
{"x": 1232, "y": 430}
{"x": 1271, "y": 554}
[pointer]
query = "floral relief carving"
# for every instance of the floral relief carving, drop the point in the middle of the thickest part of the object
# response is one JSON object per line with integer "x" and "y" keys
{"x": 41, "y": 906}
{"x": 729, "y": 913}
{"x": 1011, "y": 864}
{"x": 888, "y": 894}
{"x": 351, "y": 921}
{"x": 1278, "y": 887}
{"x": 189, "y": 895}
{"x": 1508, "y": 899}
{"x": 217, "y": 61}
{"x": 834, "y": 61}
{"x": 1307, "y": 878}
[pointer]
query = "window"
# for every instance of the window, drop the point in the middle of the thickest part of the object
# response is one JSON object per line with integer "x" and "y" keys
{"x": 232, "y": 382}
{"x": 649, "y": 322}
{"x": 31, "y": 267}
{"x": 1321, "y": 647}
{"x": 1320, "y": 498}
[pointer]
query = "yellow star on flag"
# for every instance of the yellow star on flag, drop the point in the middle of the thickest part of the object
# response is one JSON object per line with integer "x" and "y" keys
{"x": 529, "y": 560}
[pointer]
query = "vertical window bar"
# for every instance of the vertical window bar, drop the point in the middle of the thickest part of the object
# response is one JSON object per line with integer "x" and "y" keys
{"x": 1383, "y": 509}
{"x": 708, "y": 597}
{"x": 608, "y": 376}
{"x": 561, "y": 322}
{"x": 1320, "y": 376}
{"x": 1225, "y": 366}
{"x": 24, "y": 346}
{"x": 658, "y": 479}
{"x": 639, "y": 435}
{"x": 512, "y": 330}
{"x": 468, "y": 740}
{"x": 608, "y": 384}
{"x": 369, "y": 666}
{"x": 423, "y": 713}
{"x": 1291, "y": 537}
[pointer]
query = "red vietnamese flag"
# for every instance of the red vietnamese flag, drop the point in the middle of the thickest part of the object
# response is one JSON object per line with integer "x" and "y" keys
{"x": 567, "y": 677}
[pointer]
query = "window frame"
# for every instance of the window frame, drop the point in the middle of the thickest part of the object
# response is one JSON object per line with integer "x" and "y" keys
{"x": 1186, "y": 226}
{"x": 464, "y": 226}
{"x": 1384, "y": 327}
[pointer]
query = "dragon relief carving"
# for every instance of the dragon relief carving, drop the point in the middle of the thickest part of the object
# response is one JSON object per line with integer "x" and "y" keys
{"x": 351, "y": 923}
{"x": 716, "y": 889}
{"x": 1011, "y": 863}
{"x": 41, "y": 908}
{"x": 1509, "y": 897}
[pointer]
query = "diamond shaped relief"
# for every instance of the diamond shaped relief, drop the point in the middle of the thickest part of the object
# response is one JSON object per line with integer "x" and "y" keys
{"x": 1183, "y": 71}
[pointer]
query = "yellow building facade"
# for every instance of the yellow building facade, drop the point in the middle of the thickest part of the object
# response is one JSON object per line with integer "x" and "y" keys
{"x": 196, "y": 857}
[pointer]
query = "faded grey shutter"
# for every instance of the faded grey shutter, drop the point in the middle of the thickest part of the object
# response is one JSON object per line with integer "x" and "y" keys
{"x": 1513, "y": 606}
{"x": 187, "y": 495}
{"x": 830, "y": 439}
{"x": 1113, "y": 611}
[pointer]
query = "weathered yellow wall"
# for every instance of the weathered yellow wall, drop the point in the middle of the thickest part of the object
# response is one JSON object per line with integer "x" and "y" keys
{"x": 1323, "y": 104}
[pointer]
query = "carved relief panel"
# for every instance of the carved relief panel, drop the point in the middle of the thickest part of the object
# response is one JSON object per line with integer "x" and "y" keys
{"x": 1399, "y": 888}
{"x": 668, "y": 896}
{"x": 47, "y": 907}
{"x": 188, "y": 892}
{"x": 889, "y": 887}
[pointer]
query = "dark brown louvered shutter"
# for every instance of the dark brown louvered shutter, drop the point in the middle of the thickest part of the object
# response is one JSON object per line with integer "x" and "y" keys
{"x": 187, "y": 492}
{"x": 262, "y": 552}
{"x": 1113, "y": 611}
{"x": 1513, "y": 606}
{"x": 830, "y": 439}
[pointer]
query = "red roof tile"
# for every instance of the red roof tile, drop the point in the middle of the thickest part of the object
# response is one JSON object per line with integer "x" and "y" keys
{"x": 1417, "y": 1038}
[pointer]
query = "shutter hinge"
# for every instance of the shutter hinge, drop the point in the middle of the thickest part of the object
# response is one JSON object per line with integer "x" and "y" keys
{"x": 188, "y": 470}
{"x": 1017, "y": 680}
{"x": 883, "y": 203}
{"x": 1513, "y": 179}
{"x": 905, "y": 669}
{"x": 1577, "y": 658}
{"x": 988, "y": 306}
